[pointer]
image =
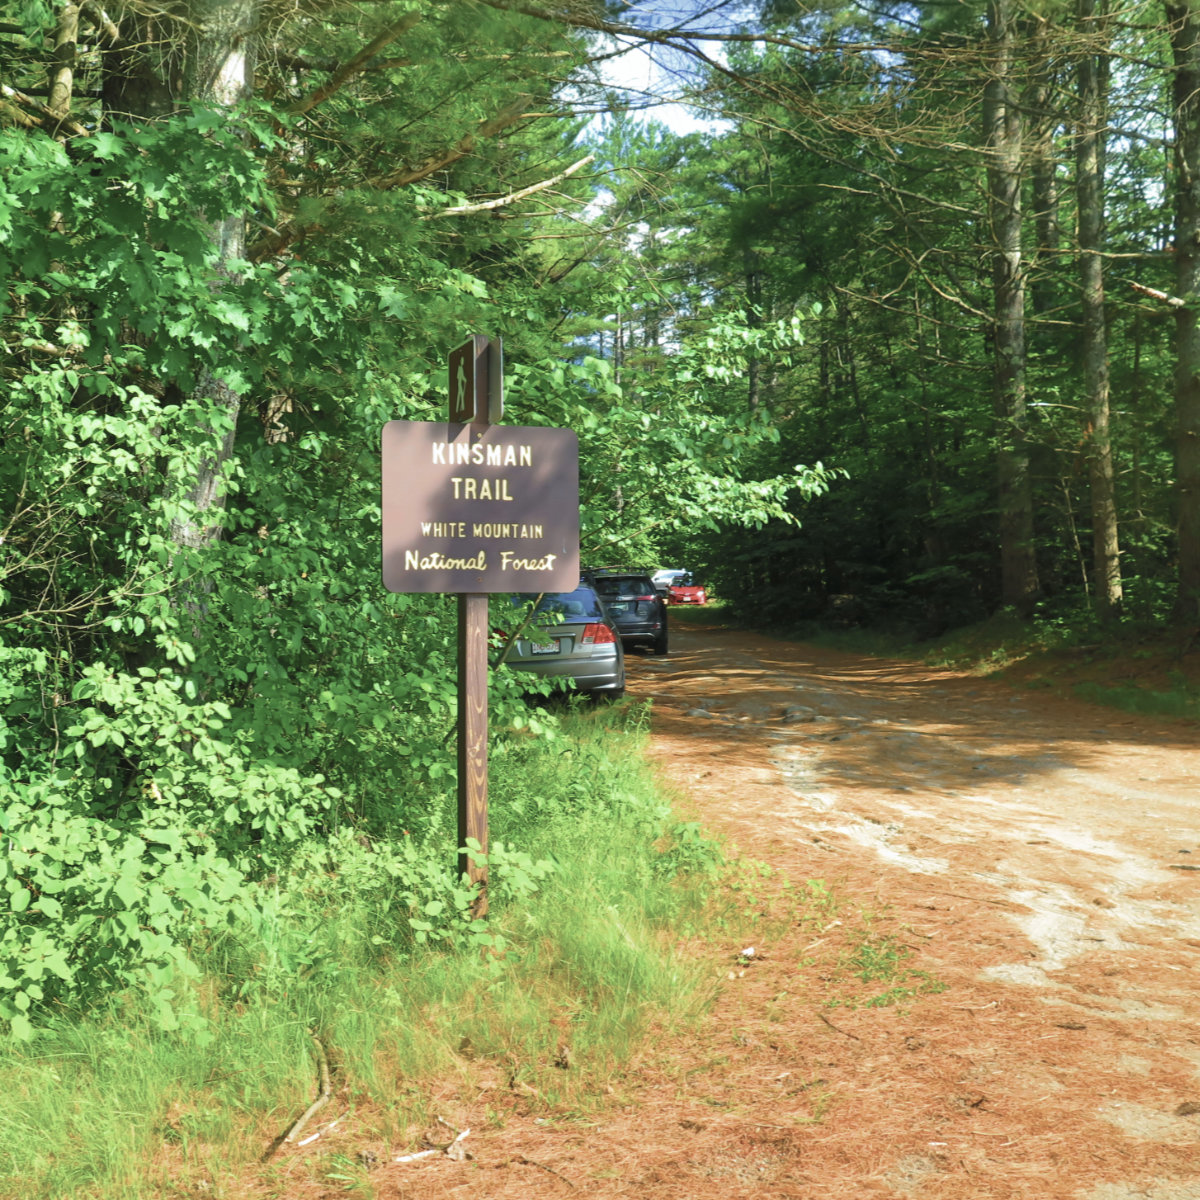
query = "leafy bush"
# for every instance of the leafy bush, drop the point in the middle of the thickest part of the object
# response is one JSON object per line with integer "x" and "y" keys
{"x": 368, "y": 941}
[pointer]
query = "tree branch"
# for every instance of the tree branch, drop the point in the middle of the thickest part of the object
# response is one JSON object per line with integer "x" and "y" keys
{"x": 357, "y": 64}
{"x": 103, "y": 21}
{"x": 1155, "y": 294}
{"x": 489, "y": 128}
{"x": 461, "y": 210}
{"x": 288, "y": 232}
{"x": 62, "y": 72}
{"x": 45, "y": 117}
{"x": 17, "y": 116}
{"x": 579, "y": 18}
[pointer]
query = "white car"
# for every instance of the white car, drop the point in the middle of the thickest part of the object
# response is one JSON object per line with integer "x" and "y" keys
{"x": 667, "y": 576}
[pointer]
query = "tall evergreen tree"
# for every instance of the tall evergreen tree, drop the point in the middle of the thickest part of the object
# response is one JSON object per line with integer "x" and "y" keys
{"x": 1090, "y": 137}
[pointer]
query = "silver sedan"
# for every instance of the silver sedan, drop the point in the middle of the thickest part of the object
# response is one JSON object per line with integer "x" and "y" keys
{"x": 570, "y": 636}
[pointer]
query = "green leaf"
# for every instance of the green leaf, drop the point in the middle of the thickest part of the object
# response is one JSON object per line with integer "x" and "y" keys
{"x": 107, "y": 146}
{"x": 127, "y": 891}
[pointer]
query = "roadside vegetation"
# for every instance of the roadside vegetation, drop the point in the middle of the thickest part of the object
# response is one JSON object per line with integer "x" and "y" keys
{"x": 239, "y": 237}
{"x": 343, "y": 956}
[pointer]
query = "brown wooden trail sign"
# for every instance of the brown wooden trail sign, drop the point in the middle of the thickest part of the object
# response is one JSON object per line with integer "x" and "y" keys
{"x": 474, "y": 508}
{"x": 479, "y": 508}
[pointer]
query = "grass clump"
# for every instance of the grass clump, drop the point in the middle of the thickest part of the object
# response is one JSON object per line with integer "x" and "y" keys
{"x": 1183, "y": 702}
{"x": 593, "y": 879}
{"x": 870, "y": 963}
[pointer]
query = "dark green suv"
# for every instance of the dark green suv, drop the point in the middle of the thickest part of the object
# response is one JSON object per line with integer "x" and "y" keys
{"x": 636, "y": 608}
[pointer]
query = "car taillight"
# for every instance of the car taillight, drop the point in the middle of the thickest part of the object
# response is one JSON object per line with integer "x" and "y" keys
{"x": 597, "y": 635}
{"x": 652, "y": 596}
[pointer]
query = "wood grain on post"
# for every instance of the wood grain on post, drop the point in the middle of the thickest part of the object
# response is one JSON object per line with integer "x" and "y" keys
{"x": 476, "y": 396}
{"x": 473, "y": 738}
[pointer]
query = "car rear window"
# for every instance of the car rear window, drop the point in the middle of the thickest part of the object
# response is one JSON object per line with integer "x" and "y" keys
{"x": 624, "y": 585}
{"x": 580, "y": 605}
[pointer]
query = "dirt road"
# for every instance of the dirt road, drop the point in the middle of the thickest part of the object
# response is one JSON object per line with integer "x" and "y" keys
{"x": 1039, "y": 857}
{"x": 979, "y": 982}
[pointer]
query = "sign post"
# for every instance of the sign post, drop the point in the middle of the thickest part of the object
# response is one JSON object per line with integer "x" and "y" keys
{"x": 473, "y": 740}
{"x": 476, "y": 398}
{"x": 473, "y": 507}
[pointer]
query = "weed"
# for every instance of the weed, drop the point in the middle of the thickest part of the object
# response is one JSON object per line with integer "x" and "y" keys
{"x": 688, "y": 849}
{"x": 350, "y": 1175}
{"x": 819, "y": 901}
{"x": 820, "y": 1097}
{"x": 880, "y": 958}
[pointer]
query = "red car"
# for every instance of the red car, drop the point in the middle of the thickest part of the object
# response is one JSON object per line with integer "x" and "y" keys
{"x": 686, "y": 590}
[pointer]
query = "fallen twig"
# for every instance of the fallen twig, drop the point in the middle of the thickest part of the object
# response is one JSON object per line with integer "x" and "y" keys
{"x": 321, "y": 1100}
{"x": 328, "y": 1128}
{"x": 419, "y": 1154}
{"x": 520, "y": 1084}
{"x": 982, "y": 900}
{"x": 843, "y": 1032}
{"x": 447, "y": 1149}
{"x": 529, "y": 1162}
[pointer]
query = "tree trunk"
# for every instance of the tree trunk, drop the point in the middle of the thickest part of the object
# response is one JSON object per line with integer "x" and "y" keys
{"x": 62, "y": 72}
{"x": 1089, "y": 189}
{"x": 754, "y": 318}
{"x": 1045, "y": 119}
{"x": 1003, "y": 144}
{"x": 1183, "y": 18}
{"x": 218, "y": 72}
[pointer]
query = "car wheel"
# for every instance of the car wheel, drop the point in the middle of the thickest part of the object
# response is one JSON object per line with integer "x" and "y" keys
{"x": 660, "y": 643}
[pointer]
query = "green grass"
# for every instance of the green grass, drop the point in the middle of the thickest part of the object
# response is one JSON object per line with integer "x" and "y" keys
{"x": 992, "y": 645}
{"x": 715, "y": 612}
{"x": 105, "y": 1106}
{"x": 1067, "y": 654}
{"x": 1130, "y": 698}
{"x": 874, "y": 958}
{"x": 1071, "y": 659}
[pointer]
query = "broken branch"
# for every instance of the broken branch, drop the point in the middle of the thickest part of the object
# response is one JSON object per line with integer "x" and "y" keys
{"x": 487, "y": 205}
{"x": 1155, "y": 294}
{"x": 843, "y": 1032}
{"x": 47, "y": 117}
{"x": 321, "y": 1100}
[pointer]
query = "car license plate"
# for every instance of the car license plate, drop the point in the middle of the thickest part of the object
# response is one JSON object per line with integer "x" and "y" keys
{"x": 552, "y": 648}
{"x": 618, "y": 606}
